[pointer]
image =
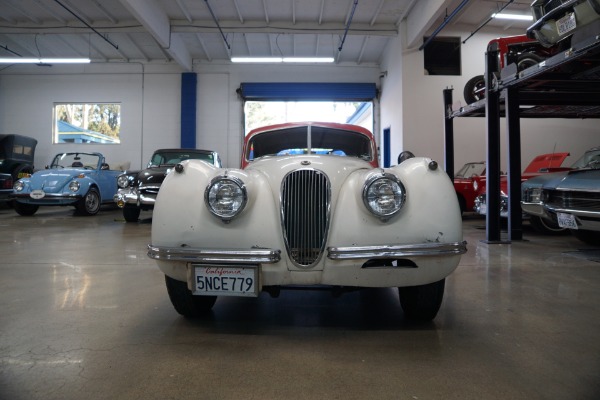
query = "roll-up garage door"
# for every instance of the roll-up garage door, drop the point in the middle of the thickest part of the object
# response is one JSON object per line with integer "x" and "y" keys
{"x": 298, "y": 91}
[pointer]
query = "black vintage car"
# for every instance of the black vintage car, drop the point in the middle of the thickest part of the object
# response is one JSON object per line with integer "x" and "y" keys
{"x": 138, "y": 189}
{"x": 16, "y": 155}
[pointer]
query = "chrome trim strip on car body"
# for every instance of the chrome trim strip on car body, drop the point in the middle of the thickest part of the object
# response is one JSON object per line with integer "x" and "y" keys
{"x": 579, "y": 213}
{"x": 134, "y": 198}
{"x": 389, "y": 251}
{"x": 237, "y": 256}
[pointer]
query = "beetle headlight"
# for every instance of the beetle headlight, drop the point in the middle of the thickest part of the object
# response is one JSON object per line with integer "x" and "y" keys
{"x": 18, "y": 186}
{"x": 225, "y": 197}
{"x": 384, "y": 195}
{"x": 74, "y": 186}
{"x": 123, "y": 181}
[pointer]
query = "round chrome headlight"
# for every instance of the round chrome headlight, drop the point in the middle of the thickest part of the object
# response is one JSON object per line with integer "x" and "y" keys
{"x": 18, "y": 186}
{"x": 226, "y": 197}
{"x": 384, "y": 195}
{"x": 123, "y": 181}
{"x": 74, "y": 186}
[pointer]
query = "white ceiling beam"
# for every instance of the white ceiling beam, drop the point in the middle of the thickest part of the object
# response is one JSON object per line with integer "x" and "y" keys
{"x": 321, "y": 12}
{"x": 77, "y": 11}
{"x": 237, "y": 9}
{"x": 206, "y": 53}
{"x": 185, "y": 11}
{"x": 156, "y": 21}
{"x": 421, "y": 18}
{"x": 377, "y": 12}
{"x": 266, "y": 11}
{"x": 23, "y": 12}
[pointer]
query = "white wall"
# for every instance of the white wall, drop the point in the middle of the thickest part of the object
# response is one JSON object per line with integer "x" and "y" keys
{"x": 421, "y": 118}
{"x": 150, "y": 98}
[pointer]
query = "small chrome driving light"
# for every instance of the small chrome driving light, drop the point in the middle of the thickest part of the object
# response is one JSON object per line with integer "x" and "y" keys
{"x": 74, "y": 186}
{"x": 226, "y": 197}
{"x": 384, "y": 195}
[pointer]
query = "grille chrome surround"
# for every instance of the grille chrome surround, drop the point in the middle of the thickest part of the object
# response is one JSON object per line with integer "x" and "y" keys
{"x": 585, "y": 201}
{"x": 305, "y": 209}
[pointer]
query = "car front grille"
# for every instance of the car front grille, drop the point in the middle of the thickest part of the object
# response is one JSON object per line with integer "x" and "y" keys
{"x": 149, "y": 190}
{"x": 582, "y": 201}
{"x": 305, "y": 199}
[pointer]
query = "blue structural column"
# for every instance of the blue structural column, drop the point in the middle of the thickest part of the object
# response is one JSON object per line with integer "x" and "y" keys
{"x": 188, "y": 109}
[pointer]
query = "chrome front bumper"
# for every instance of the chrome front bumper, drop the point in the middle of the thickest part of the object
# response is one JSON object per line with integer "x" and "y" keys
{"x": 134, "y": 198}
{"x": 268, "y": 256}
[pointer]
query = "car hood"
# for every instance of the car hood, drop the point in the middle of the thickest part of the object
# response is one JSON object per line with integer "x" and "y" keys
{"x": 583, "y": 179}
{"x": 153, "y": 175}
{"x": 53, "y": 180}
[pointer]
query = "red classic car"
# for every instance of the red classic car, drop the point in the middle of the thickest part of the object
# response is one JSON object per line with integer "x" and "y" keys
{"x": 469, "y": 181}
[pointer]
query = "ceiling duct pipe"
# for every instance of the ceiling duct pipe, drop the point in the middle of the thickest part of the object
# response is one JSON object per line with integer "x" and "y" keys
{"x": 214, "y": 17}
{"x": 444, "y": 23}
{"x": 348, "y": 25}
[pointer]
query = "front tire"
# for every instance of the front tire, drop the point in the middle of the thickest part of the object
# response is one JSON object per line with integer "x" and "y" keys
{"x": 422, "y": 303}
{"x": 90, "y": 204}
{"x": 131, "y": 213}
{"x": 184, "y": 302}
{"x": 24, "y": 209}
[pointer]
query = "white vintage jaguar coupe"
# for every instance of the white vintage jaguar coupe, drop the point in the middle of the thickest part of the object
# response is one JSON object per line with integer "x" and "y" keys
{"x": 309, "y": 208}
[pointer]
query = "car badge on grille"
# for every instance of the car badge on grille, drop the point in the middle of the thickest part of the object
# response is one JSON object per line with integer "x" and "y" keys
{"x": 305, "y": 162}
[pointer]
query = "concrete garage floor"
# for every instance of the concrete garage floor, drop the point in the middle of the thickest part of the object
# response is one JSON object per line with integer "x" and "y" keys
{"x": 85, "y": 315}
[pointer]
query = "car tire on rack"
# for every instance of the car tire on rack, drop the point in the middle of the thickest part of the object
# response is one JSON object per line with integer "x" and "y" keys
{"x": 474, "y": 89}
{"x": 422, "y": 303}
{"x": 90, "y": 203}
{"x": 185, "y": 302}
{"x": 131, "y": 213}
{"x": 24, "y": 209}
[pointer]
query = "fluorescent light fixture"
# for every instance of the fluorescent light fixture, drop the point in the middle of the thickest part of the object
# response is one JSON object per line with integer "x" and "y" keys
{"x": 518, "y": 17}
{"x": 308, "y": 59}
{"x": 256, "y": 59}
{"x": 282, "y": 59}
{"x": 23, "y": 60}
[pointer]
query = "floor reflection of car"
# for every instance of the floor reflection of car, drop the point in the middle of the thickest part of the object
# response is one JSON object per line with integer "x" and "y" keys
{"x": 138, "y": 189}
{"x": 568, "y": 199}
{"x": 310, "y": 208}
{"x": 82, "y": 180}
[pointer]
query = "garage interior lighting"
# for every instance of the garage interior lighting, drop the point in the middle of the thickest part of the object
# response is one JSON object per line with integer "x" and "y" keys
{"x": 23, "y": 60}
{"x": 282, "y": 59}
{"x": 518, "y": 17}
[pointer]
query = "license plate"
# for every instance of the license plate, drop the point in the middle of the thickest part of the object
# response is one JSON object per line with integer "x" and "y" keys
{"x": 225, "y": 281}
{"x": 566, "y": 24}
{"x": 566, "y": 221}
{"x": 37, "y": 194}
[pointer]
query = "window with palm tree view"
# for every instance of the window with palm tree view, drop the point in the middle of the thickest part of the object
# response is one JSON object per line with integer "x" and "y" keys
{"x": 97, "y": 123}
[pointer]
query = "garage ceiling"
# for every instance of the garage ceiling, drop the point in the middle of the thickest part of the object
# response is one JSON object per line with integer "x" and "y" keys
{"x": 188, "y": 32}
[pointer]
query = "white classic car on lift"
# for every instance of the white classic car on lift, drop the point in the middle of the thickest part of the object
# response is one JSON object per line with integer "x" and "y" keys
{"x": 309, "y": 208}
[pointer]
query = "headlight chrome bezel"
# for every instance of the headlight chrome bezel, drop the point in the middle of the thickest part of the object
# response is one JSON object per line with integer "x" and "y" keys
{"x": 123, "y": 181}
{"x": 371, "y": 197}
{"x": 74, "y": 186}
{"x": 239, "y": 201}
{"x": 18, "y": 186}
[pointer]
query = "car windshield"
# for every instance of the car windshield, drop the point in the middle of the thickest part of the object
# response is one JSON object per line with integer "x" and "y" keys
{"x": 591, "y": 159}
{"x": 471, "y": 169}
{"x": 75, "y": 160}
{"x": 321, "y": 140}
{"x": 175, "y": 157}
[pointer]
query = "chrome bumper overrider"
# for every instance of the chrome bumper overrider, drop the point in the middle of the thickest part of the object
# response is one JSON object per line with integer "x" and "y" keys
{"x": 132, "y": 198}
{"x": 401, "y": 250}
{"x": 267, "y": 256}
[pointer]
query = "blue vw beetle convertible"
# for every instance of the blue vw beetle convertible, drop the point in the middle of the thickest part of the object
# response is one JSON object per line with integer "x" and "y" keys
{"x": 82, "y": 180}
